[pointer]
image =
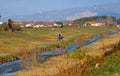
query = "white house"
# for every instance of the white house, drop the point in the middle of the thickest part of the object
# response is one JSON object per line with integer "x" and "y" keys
{"x": 56, "y": 25}
{"x": 48, "y": 26}
{"x": 38, "y": 26}
{"x": 92, "y": 23}
{"x": 29, "y": 25}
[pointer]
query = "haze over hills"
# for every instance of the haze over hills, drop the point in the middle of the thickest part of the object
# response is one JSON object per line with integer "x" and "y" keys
{"x": 111, "y": 9}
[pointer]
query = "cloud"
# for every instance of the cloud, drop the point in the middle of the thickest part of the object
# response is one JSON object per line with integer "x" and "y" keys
{"x": 81, "y": 14}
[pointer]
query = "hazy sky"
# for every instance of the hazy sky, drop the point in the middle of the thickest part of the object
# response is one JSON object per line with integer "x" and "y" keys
{"x": 21, "y": 7}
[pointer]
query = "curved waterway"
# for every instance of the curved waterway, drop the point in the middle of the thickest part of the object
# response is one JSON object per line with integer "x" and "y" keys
{"x": 9, "y": 68}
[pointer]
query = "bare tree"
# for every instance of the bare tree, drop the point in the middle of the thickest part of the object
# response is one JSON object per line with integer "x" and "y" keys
{"x": 110, "y": 20}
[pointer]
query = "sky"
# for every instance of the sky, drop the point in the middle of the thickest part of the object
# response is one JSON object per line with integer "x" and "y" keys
{"x": 23, "y": 7}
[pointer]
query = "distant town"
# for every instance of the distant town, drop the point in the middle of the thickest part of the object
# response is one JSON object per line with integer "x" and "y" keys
{"x": 85, "y": 21}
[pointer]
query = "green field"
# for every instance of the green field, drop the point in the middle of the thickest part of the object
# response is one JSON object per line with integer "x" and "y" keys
{"x": 12, "y": 42}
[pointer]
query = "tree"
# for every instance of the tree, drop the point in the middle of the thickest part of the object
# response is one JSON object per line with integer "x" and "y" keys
{"x": 81, "y": 21}
{"x": 10, "y": 24}
{"x": 110, "y": 20}
{"x": 118, "y": 21}
{"x": 60, "y": 23}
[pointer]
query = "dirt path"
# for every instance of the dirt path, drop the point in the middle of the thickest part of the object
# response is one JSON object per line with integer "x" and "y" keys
{"x": 50, "y": 67}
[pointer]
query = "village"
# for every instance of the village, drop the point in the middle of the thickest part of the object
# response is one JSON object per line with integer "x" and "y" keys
{"x": 85, "y": 21}
{"x": 36, "y": 25}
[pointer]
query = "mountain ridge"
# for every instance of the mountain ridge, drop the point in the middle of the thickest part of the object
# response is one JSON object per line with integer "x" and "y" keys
{"x": 110, "y": 9}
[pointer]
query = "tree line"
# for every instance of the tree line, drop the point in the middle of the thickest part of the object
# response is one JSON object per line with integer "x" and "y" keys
{"x": 108, "y": 20}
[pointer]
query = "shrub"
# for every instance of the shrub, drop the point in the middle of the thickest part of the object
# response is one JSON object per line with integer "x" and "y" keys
{"x": 3, "y": 27}
{"x": 79, "y": 54}
{"x": 72, "y": 69}
{"x": 118, "y": 45}
{"x": 18, "y": 28}
{"x": 29, "y": 58}
{"x": 78, "y": 67}
{"x": 110, "y": 67}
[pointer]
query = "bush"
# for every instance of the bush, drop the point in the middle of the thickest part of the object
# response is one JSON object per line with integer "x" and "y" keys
{"x": 3, "y": 27}
{"x": 18, "y": 28}
{"x": 79, "y": 54}
{"x": 118, "y": 46}
{"x": 110, "y": 64}
{"x": 110, "y": 67}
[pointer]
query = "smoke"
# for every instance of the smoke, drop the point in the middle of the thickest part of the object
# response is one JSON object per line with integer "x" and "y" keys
{"x": 81, "y": 14}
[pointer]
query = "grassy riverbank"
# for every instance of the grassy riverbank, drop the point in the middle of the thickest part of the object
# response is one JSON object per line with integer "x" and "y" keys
{"x": 14, "y": 43}
{"x": 62, "y": 63}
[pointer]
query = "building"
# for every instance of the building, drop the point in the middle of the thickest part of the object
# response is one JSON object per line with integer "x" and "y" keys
{"x": 20, "y": 24}
{"x": 94, "y": 23}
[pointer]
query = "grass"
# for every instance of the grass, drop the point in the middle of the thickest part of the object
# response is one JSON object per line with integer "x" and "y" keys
{"x": 107, "y": 65}
{"x": 110, "y": 67}
{"x": 78, "y": 67}
{"x": 11, "y": 42}
{"x": 50, "y": 68}
{"x": 111, "y": 62}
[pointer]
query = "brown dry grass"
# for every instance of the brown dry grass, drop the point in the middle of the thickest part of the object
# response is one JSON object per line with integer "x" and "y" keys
{"x": 11, "y": 43}
{"x": 28, "y": 58}
{"x": 49, "y": 68}
{"x": 98, "y": 48}
{"x": 60, "y": 66}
